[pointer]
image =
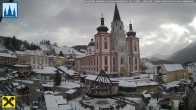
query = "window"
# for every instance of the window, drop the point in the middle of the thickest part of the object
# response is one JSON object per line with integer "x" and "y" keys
{"x": 129, "y": 60}
{"x": 106, "y": 68}
{"x": 135, "y": 60}
{"x": 114, "y": 69}
{"x": 135, "y": 67}
{"x": 89, "y": 50}
{"x": 106, "y": 60}
{"x": 114, "y": 62}
{"x": 105, "y": 45}
{"x": 135, "y": 46}
{"x": 122, "y": 60}
{"x": 97, "y": 46}
{"x": 120, "y": 27}
{"x": 97, "y": 61}
{"x": 33, "y": 62}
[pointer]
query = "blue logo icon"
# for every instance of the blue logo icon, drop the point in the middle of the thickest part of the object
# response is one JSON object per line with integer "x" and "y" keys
{"x": 10, "y": 10}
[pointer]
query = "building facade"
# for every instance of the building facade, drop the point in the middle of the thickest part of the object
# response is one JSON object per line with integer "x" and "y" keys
{"x": 8, "y": 58}
{"x": 172, "y": 72}
{"x": 36, "y": 59}
{"x": 117, "y": 52}
{"x": 190, "y": 95}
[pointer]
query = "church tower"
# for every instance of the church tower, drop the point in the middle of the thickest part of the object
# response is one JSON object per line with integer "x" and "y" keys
{"x": 119, "y": 42}
{"x": 133, "y": 51}
{"x": 103, "y": 50}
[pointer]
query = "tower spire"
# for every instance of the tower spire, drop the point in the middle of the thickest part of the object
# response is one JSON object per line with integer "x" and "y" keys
{"x": 102, "y": 28}
{"x": 130, "y": 26}
{"x": 116, "y": 14}
{"x": 102, "y": 20}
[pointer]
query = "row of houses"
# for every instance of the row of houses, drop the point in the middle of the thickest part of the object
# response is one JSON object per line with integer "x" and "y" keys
{"x": 36, "y": 59}
{"x": 165, "y": 72}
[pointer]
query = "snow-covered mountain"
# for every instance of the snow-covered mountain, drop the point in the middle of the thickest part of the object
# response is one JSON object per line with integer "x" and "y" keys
{"x": 56, "y": 49}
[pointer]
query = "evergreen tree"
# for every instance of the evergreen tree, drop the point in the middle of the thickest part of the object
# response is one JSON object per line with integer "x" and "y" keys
{"x": 57, "y": 78}
{"x": 61, "y": 54}
{"x": 7, "y": 43}
{"x": 14, "y": 44}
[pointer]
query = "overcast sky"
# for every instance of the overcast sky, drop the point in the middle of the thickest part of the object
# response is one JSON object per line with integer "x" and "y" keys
{"x": 161, "y": 27}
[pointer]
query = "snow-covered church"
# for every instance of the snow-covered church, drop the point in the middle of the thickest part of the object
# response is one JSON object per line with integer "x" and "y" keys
{"x": 116, "y": 52}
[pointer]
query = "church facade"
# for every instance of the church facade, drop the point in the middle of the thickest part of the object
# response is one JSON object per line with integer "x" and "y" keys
{"x": 117, "y": 52}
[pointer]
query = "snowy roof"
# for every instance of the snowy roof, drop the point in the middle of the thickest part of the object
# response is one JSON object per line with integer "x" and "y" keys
{"x": 2, "y": 79}
{"x": 20, "y": 53}
{"x": 50, "y": 102}
{"x": 70, "y": 72}
{"x": 124, "y": 83}
{"x": 14, "y": 71}
{"x": 170, "y": 86}
{"x": 10, "y": 55}
{"x": 46, "y": 70}
{"x": 146, "y": 95}
{"x": 93, "y": 77}
{"x": 173, "y": 67}
{"x": 71, "y": 91}
{"x": 48, "y": 92}
{"x": 63, "y": 68}
{"x": 144, "y": 83}
{"x": 60, "y": 100}
{"x": 145, "y": 92}
{"x": 146, "y": 62}
{"x": 47, "y": 85}
{"x": 55, "y": 102}
{"x": 15, "y": 84}
{"x": 20, "y": 65}
{"x": 20, "y": 86}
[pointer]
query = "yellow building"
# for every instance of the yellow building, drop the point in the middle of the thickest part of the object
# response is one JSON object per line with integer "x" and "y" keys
{"x": 60, "y": 61}
{"x": 172, "y": 72}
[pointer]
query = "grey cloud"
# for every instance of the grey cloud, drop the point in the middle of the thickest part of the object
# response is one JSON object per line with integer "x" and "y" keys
{"x": 45, "y": 19}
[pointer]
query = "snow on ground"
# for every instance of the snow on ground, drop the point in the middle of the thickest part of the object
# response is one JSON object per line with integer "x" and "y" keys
{"x": 136, "y": 100}
{"x": 65, "y": 50}
{"x": 24, "y": 81}
{"x": 76, "y": 106}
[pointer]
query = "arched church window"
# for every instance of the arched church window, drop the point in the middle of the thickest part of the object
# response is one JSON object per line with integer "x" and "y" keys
{"x": 122, "y": 60}
{"x": 120, "y": 27}
{"x": 97, "y": 45}
{"x": 121, "y": 49}
{"x": 105, "y": 45}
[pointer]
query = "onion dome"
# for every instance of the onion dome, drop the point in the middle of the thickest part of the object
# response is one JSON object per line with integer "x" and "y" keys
{"x": 131, "y": 32}
{"x": 102, "y": 28}
{"x": 92, "y": 43}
